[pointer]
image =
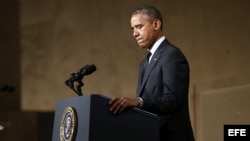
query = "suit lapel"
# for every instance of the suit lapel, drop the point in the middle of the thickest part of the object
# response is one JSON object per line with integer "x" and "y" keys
{"x": 155, "y": 58}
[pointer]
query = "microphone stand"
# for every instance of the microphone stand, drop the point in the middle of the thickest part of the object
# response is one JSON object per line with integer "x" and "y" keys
{"x": 77, "y": 77}
{"x": 70, "y": 82}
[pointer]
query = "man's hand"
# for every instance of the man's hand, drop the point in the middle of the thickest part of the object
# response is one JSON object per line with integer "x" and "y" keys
{"x": 119, "y": 104}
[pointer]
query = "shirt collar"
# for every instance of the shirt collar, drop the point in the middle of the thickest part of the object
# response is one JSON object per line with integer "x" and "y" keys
{"x": 156, "y": 45}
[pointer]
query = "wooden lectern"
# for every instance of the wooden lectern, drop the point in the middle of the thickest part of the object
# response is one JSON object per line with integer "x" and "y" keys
{"x": 87, "y": 118}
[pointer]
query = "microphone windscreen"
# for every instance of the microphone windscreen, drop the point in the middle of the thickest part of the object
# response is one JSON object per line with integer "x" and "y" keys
{"x": 91, "y": 69}
{"x": 88, "y": 69}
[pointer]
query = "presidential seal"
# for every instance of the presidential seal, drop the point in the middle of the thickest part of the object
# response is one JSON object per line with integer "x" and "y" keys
{"x": 68, "y": 125}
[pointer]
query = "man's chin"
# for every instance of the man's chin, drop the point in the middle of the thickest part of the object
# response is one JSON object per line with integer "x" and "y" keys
{"x": 142, "y": 46}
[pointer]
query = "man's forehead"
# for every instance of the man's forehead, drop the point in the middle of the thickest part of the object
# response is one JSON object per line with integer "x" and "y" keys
{"x": 139, "y": 18}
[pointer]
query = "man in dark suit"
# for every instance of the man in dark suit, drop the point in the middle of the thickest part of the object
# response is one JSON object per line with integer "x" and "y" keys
{"x": 163, "y": 79}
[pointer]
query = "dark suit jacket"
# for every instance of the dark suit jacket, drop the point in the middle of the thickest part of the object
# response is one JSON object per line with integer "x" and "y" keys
{"x": 164, "y": 90}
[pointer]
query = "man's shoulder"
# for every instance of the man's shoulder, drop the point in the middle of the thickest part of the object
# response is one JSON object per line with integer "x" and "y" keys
{"x": 170, "y": 48}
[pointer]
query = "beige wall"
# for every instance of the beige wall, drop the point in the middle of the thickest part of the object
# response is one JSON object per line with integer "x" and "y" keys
{"x": 221, "y": 107}
{"x": 59, "y": 37}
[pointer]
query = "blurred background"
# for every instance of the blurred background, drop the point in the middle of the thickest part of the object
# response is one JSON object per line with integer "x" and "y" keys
{"x": 43, "y": 41}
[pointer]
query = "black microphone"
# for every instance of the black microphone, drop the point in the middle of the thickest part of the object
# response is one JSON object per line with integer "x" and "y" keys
{"x": 78, "y": 76}
{"x": 86, "y": 70}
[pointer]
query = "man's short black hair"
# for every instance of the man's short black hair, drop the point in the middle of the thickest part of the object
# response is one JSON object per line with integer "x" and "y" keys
{"x": 151, "y": 11}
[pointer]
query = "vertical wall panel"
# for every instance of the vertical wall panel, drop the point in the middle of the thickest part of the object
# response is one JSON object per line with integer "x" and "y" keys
{"x": 220, "y": 107}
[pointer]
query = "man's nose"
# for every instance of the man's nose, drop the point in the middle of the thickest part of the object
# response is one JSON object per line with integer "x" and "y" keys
{"x": 135, "y": 33}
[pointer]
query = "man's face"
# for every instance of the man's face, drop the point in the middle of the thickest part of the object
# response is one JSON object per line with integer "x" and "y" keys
{"x": 144, "y": 30}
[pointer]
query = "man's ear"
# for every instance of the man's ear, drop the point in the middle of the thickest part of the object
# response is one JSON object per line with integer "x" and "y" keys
{"x": 157, "y": 24}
